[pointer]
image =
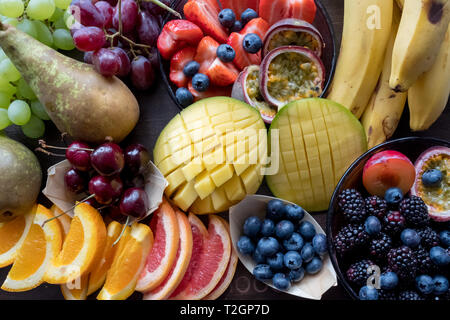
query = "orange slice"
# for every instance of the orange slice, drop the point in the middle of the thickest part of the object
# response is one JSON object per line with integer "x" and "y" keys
{"x": 83, "y": 245}
{"x": 165, "y": 289}
{"x": 77, "y": 289}
{"x": 64, "y": 219}
{"x": 164, "y": 225}
{"x": 122, "y": 277}
{"x": 12, "y": 235}
{"x": 41, "y": 246}
{"x": 98, "y": 274}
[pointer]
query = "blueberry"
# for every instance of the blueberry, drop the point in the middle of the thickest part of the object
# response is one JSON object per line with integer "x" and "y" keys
{"x": 227, "y": 18}
{"x": 439, "y": 256}
{"x": 267, "y": 228}
{"x": 276, "y": 262}
{"x": 292, "y": 260}
{"x": 262, "y": 272}
{"x": 307, "y": 230}
{"x": 294, "y": 213}
{"x": 440, "y": 285}
{"x": 248, "y": 15}
{"x": 237, "y": 26}
{"x": 252, "y": 43}
{"x": 258, "y": 257}
{"x": 372, "y": 226}
{"x": 432, "y": 178}
{"x": 191, "y": 68}
{"x": 200, "y": 82}
{"x": 245, "y": 245}
{"x": 393, "y": 196}
{"x": 444, "y": 236}
{"x": 368, "y": 293}
{"x": 281, "y": 281}
{"x": 294, "y": 242}
{"x": 388, "y": 280}
{"x": 184, "y": 97}
{"x": 410, "y": 238}
{"x": 225, "y": 53}
{"x": 284, "y": 229}
{"x": 268, "y": 246}
{"x": 319, "y": 243}
{"x": 425, "y": 284}
{"x": 252, "y": 226}
{"x": 314, "y": 266}
{"x": 307, "y": 252}
{"x": 275, "y": 210}
{"x": 297, "y": 274}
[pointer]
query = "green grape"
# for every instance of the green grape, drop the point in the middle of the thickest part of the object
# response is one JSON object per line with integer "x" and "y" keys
{"x": 44, "y": 35}
{"x": 28, "y": 27}
{"x": 4, "y": 119}
{"x": 40, "y": 9}
{"x": 35, "y": 128}
{"x": 63, "y": 39}
{"x": 19, "y": 112}
{"x": 11, "y": 8}
{"x": 60, "y": 23}
{"x": 12, "y": 21}
{"x": 56, "y": 15}
{"x": 62, "y": 4}
{"x": 39, "y": 111}
{"x": 7, "y": 87}
{"x": 8, "y": 71}
{"x": 5, "y": 100}
{"x": 69, "y": 19}
{"x": 24, "y": 90}
{"x": 2, "y": 55}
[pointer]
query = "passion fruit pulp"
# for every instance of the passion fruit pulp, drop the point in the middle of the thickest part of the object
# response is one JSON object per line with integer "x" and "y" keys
{"x": 437, "y": 195}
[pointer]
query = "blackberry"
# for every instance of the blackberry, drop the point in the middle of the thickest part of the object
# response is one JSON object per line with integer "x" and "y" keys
{"x": 350, "y": 237}
{"x": 352, "y": 206}
{"x": 358, "y": 272}
{"x": 386, "y": 295}
{"x": 424, "y": 263}
{"x": 380, "y": 246}
{"x": 393, "y": 223}
{"x": 403, "y": 262}
{"x": 409, "y": 295}
{"x": 376, "y": 206}
{"x": 415, "y": 211}
{"x": 429, "y": 237}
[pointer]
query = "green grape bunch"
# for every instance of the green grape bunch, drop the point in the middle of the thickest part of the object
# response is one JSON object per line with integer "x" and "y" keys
{"x": 48, "y": 21}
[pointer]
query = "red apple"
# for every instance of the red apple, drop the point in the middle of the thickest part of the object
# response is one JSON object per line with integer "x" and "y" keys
{"x": 388, "y": 169}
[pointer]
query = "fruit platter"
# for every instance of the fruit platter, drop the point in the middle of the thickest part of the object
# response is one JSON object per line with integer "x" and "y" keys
{"x": 224, "y": 149}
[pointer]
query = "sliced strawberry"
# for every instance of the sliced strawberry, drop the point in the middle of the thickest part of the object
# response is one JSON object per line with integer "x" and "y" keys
{"x": 276, "y": 10}
{"x": 239, "y": 6}
{"x": 206, "y": 53}
{"x": 205, "y": 14}
{"x": 211, "y": 92}
{"x": 179, "y": 60}
{"x": 244, "y": 58}
{"x": 176, "y": 35}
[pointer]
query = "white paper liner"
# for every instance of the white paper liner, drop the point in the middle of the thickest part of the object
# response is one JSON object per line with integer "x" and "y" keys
{"x": 56, "y": 190}
{"x": 312, "y": 286}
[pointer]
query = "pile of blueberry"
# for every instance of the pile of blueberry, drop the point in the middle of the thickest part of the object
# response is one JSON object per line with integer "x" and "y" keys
{"x": 284, "y": 246}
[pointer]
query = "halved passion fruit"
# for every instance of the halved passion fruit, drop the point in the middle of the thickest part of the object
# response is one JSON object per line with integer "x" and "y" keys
{"x": 293, "y": 32}
{"x": 291, "y": 73}
{"x": 432, "y": 182}
{"x": 246, "y": 88}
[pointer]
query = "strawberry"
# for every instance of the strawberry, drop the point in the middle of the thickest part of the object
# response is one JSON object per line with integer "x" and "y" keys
{"x": 205, "y": 14}
{"x": 239, "y": 6}
{"x": 213, "y": 91}
{"x": 179, "y": 60}
{"x": 176, "y": 35}
{"x": 276, "y": 10}
{"x": 243, "y": 58}
{"x": 218, "y": 72}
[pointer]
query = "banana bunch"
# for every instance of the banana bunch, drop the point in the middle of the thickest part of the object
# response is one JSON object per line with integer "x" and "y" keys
{"x": 407, "y": 56}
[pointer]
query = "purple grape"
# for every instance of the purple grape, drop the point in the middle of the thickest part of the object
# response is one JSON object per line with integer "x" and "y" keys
{"x": 148, "y": 28}
{"x": 142, "y": 73}
{"x": 76, "y": 181}
{"x": 129, "y": 16}
{"x": 137, "y": 158}
{"x": 134, "y": 203}
{"x": 86, "y": 13}
{"x": 153, "y": 57}
{"x": 108, "y": 159}
{"x": 154, "y": 9}
{"x": 89, "y": 39}
{"x": 88, "y": 56}
{"x": 79, "y": 156}
{"x": 125, "y": 64}
{"x": 107, "y": 10}
{"x": 106, "y": 62}
{"x": 105, "y": 189}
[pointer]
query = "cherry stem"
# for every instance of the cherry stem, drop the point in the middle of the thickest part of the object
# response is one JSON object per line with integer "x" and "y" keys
{"x": 123, "y": 231}
{"x": 65, "y": 212}
{"x": 165, "y": 7}
{"x": 50, "y": 153}
{"x": 45, "y": 146}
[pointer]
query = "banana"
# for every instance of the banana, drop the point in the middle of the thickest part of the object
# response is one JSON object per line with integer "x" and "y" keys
{"x": 428, "y": 96}
{"x": 382, "y": 114}
{"x": 420, "y": 34}
{"x": 367, "y": 25}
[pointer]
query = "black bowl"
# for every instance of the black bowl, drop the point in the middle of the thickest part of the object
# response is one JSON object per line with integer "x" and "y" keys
{"x": 412, "y": 147}
{"x": 322, "y": 22}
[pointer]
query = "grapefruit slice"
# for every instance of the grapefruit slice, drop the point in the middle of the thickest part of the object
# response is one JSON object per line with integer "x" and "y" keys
{"x": 165, "y": 289}
{"x": 209, "y": 260}
{"x": 164, "y": 225}
{"x": 227, "y": 277}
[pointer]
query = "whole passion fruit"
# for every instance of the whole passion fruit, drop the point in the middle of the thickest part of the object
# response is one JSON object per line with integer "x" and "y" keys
{"x": 432, "y": 182}
{"x": 246, "y": 88}
{"x": 293, "y": 32}
{"x": 291, "y": 73}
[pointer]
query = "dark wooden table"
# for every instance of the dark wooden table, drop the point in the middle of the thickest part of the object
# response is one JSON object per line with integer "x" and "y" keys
{"x": 156, "y": 110}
